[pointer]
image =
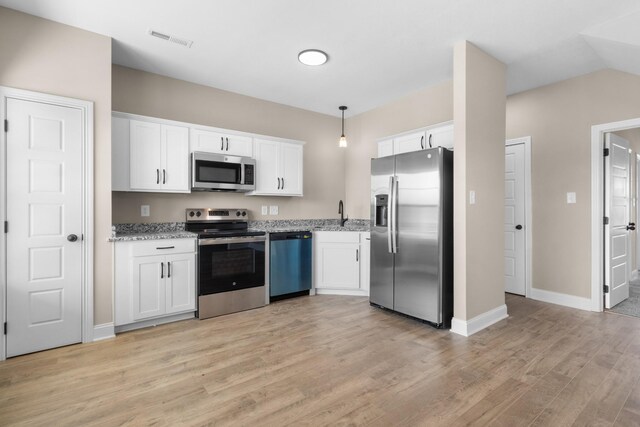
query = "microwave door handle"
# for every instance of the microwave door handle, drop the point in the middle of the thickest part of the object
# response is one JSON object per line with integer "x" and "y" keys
{"x": 242, "y": 166}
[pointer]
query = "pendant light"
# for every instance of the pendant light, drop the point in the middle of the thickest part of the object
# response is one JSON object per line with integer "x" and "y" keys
{"x": 343, "y": 139}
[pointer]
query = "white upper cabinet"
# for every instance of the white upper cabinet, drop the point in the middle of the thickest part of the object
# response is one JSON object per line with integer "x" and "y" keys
{"x": 221, "y": 143}
{"x": 159, "y": 157}
{"x": 411, "y": 142}
{"x": 440, "y": 135}
{"x": 278, "y": 168}
{"x": 385, "y": 147}
{"x": 148, "y": 156}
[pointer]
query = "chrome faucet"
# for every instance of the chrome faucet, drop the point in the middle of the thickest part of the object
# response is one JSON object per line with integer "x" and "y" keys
{"x": 341, "y": 212}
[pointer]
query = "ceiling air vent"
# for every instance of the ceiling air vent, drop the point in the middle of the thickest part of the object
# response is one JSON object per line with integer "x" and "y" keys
{"x": 170, "y": 38}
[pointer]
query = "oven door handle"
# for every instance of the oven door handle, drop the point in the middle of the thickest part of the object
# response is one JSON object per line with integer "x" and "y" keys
{"x": 227, "y": 241}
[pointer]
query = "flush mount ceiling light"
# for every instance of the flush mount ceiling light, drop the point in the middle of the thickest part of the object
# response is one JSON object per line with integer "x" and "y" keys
{"x": 343, "y": 139}
{"x": 312, "y": 57}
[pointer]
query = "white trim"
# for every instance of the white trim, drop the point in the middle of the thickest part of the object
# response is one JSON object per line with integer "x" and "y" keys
{"x": 155, "y": 322}
{"x": 469, "y": 327}
{"x": 86, "y": 108}
{"x": 597, "y": 208}
{"x": 348, "y": 292}
{"x": 528, "y": 210}
{"x": 566, "y": 300}
{"x": 103, "y": 332}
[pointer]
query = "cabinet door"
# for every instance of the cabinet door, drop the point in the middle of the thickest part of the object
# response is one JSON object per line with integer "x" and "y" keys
{"x": 412, "y": 142}
{"x": 180, "y": 283}
{"x": 120, "y": 154}
{"x": 148, "y": 287}
{"x": 221, "y": 143}
{"x": 385, "y": 148}
{"x": 267, "y": 167}
{"x": 442, "y": 137}
{"x": 175, "y": 158}
{"x": 365, "y": 245}
{"x": 291, "y": 169}
{"x": 338, "y": 266}
{"x": 145, "y": 155}
{"x": 238, "y": 145}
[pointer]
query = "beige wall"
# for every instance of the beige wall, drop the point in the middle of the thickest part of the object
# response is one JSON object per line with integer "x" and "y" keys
{"x": 44, "y": 56}
{"x": 479, "y": 103}
{"x": 428, "y": 106}
{"x": 558, "y": 118}
{"x": 152, "y": 95}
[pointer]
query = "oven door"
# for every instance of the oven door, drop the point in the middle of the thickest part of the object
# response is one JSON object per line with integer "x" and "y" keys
{"x": 230, "y": 264}
{"x": 217, "y": 172}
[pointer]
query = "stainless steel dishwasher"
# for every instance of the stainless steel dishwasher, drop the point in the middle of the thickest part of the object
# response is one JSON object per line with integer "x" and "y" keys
{"x": 289, "y": 264}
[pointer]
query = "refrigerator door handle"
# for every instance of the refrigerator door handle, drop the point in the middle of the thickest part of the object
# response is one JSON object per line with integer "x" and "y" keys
{"x": 390, "y": 219}
{"x": 394, "y": 217}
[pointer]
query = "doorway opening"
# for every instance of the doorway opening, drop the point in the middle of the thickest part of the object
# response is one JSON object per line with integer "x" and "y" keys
{"x": 517, "y": 222}
{"x": 615, "y": 157}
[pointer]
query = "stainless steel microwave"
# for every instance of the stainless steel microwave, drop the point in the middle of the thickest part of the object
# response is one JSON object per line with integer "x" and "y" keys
{"x": 220, "y": 172}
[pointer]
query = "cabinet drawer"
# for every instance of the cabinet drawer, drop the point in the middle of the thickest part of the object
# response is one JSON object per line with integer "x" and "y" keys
{"x": 163, "y": 247}
{"x": 337, "y": 236}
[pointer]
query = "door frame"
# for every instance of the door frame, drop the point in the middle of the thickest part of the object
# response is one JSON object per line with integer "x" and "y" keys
{"x": 86, "y": 109}
{"x": 597, "y": 206}
{"x": 526, "y": 141}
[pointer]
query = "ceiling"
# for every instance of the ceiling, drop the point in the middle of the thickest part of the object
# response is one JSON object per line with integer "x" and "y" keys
{"x": 379, "y": 50}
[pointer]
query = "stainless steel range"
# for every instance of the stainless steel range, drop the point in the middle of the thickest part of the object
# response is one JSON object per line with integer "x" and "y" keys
{"x": 231, "y": 261}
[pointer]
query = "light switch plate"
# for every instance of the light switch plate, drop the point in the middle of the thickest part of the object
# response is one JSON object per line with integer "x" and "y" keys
{"x": 145, "y": 210}
{"x": 472, "y": 197}
{"x": 571, "y": 197}
{"x": 265, "y": 210}
{"x": 273, "y": 210}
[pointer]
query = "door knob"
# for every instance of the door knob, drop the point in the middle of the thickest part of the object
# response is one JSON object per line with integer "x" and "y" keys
{"x": 631, "y": 226}
{"x": 518, "y": 227}
{"x": 72, "y": 237}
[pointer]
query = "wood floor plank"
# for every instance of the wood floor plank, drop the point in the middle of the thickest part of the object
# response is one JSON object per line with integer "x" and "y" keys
{"x": 334, "y": 360}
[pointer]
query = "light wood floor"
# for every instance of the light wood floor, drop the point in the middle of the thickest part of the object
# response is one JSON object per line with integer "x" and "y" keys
{"x": 329, "y": 360}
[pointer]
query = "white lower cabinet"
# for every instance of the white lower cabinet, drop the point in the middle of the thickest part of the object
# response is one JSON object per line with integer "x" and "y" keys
{"x": 153, "y": 279}
{"x": 341, "y": 262}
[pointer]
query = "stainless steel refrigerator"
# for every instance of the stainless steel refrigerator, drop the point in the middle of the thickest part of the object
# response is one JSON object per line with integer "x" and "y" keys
{"x": 412, "y": 234}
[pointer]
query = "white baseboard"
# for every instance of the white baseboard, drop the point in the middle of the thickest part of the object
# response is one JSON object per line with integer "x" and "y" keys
{"x": 355, "y": 292}
{"x": 155, "y": 322}
{"x": 103, "y": 332}
{"x": 469, "y": 327}
{"x": 561, "y": 299}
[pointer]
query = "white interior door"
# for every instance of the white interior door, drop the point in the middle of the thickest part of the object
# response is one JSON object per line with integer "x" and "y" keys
{"x": 44, "y": 211}
{"x": 617, "y": 210}
{"x": 514, "y": 220}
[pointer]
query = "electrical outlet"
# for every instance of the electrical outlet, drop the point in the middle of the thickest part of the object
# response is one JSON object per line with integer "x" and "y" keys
{"x": 265, "y": 210}
{"x": 145, "y": 210}
{"x": 472, "y": 197}
{"x": 571, "y": 197}
{"x": 273, "y": 210}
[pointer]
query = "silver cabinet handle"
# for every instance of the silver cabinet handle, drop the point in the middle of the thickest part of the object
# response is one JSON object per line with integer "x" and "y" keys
{"x": 168, "y": 269}
{"x": 282, "y": 183}
{"x": 164, "y": 176}
{"x": 357, "y": 255}
{"x": 278, "y": 183}
{"x": 165, "y": 247}
{"x": 162, "y": 270}
{"x": 157, "y": 176}
{"x": 430, "y": 135}
{"x": 227, "y": 144}
{"x": 222, "y": 143}
{"x": 422, "y": 142}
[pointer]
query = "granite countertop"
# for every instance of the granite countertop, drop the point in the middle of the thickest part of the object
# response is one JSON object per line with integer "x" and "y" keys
{"x": 175, "y": 230}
